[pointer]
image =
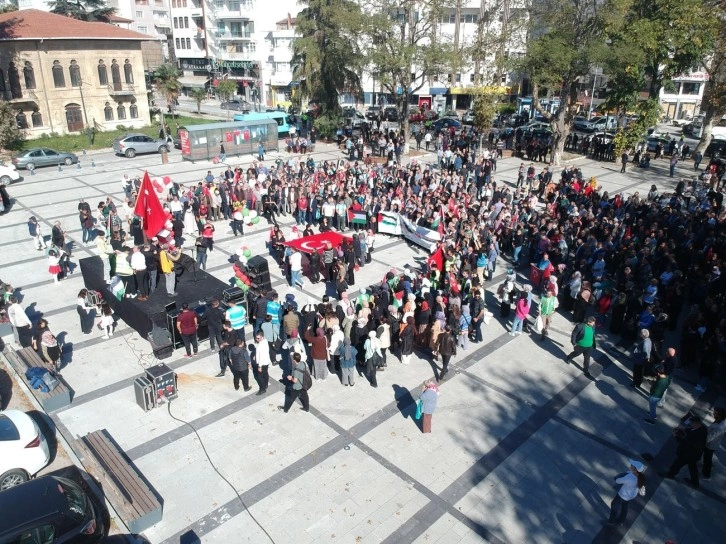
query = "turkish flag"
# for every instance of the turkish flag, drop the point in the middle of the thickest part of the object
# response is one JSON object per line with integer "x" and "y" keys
{"x": 149, "y": 209}
{"x": 437, "y": 258}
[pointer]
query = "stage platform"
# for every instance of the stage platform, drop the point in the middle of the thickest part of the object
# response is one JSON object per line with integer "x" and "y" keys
{"x": 193, "y": 286}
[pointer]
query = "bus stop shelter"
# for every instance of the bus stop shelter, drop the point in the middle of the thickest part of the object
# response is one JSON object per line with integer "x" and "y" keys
{"x": 203, "y": 142}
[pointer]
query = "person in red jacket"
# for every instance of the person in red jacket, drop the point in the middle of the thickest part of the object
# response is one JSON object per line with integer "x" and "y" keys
{"x": 319, "y": 352}
{"x": 186, "y": 324}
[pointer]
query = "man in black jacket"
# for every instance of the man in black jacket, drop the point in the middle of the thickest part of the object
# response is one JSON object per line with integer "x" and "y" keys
{"x": 691, "y": 443}
{"x": 215, "y": 322}
{"x": 240, "y": 364}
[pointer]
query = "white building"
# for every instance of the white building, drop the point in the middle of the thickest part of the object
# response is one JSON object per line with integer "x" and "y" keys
{"x": 228, "y": 39}
{"x": 150, "y": 17}
{"x": 684, "y": 100}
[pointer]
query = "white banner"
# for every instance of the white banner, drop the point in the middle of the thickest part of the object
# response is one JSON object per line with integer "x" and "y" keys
{"x": 421, "y": 236}
{"x": 388, "y": 223}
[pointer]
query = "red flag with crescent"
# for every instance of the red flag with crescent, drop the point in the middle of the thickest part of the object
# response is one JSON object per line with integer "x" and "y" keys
{"x": 149, "y": 209}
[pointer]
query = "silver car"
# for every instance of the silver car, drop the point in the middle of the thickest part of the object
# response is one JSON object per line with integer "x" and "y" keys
{"x": 133, "y": 144}
{"x": 43, "y": 156}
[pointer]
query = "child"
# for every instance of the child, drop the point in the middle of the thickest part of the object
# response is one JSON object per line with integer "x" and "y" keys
{"x": 51, "y": 350}
{"x": 34, "y": 231}
{"x": 107, "y": 322}
{"x": 54, "y": 264}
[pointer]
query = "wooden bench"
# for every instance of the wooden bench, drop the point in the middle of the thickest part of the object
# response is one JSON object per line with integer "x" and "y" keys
{"x": 25, "y": 358}
{"x": 132, "y": 497}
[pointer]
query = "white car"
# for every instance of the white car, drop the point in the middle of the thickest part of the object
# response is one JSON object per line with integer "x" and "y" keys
{"x": 23, "y": 449}
{"x": 538, "y": 125}
{"x": 8, "y": 174}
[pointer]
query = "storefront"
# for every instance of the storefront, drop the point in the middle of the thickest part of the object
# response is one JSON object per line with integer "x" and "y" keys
{"x": 682, "y": 100}
{"x": 245, "y": 73}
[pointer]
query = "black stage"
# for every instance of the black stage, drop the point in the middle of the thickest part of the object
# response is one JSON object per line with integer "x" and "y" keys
{"x": 193, "y": 286}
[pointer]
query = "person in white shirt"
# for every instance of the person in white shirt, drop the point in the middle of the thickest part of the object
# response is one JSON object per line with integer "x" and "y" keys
{"x": 630, "y": 485}
{"x": 329, "y": 210}
{"x": 296, "y": 277}
{"x": 21, "y": 324}
{"x": 261, "y": 362}
{"x": 138, "y": 263}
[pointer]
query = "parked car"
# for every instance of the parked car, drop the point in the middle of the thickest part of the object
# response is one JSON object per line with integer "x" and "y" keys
{"x": 452, "y": 114}
{"x": 390, "y": 113}
{"x": 51, "y": 509}
{"x": 355, "y": 117}
{"x": 134, "y": 144}
{"x": 236, "y": 105}
{"x": 601, "y": 122}
{"x": 716, "y": 149}
{"x": 23, "y": 449}
{"x": 682, "y": 122}
{"x": 43, "y": 156}
{"x": 372, "y": 112}
{"x": 582, "y": 124}
{"x": 445, "y": 123}
{"x": 652, "y": 141}
{"x": 8, "y": 174}
{"x": 536, "y": 125}
{"x": 468, "y": 117}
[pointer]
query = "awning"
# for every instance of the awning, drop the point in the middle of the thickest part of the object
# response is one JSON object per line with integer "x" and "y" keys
{"x": 481, "y": 90}
{"x": 193, "y": 81}
{"x": 437, "y": 90}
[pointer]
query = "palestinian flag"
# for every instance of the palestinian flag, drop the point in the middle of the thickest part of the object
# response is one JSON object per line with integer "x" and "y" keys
{"x": 357, "y": 217}
{"x": 397, "y": 301}
{"x": 117, "y": 287}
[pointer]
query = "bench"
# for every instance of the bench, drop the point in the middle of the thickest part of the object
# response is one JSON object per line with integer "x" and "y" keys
{"x": 25, "y": 358}
{"x": 131, "y": 496}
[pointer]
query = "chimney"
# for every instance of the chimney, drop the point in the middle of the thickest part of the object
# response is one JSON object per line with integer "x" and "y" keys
{"x": 289, "y": 21}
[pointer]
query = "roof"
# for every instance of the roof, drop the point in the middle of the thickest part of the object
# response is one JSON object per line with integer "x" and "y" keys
{"x": 33, "y": 24}
{"x": 230, "y": 125}
{"x": 118, "y": 19}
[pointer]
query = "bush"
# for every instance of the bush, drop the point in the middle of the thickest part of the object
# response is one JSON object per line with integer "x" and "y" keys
{"x": 327, "y": 124}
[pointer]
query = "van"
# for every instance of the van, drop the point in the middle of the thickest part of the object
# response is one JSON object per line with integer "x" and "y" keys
{"x": 280, "y": 117}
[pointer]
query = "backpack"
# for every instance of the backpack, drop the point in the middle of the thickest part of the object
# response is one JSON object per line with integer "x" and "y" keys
{"x": 307, "y": 381}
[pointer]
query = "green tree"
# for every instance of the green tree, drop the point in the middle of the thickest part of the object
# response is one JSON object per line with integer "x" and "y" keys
{"x": 485, "y": 108}
{"x": 166, "y": 80}
{"x": 83, "y": 10}
{"x": 10, "y": 134}
{"x": 647, "y": 114}
{"x": 403, "y": 48}
{"x": 226, "y": 89}
{"x": 326, "y": 56}
{"x": 199, "y": 96}
{"x": 7, "y": 8}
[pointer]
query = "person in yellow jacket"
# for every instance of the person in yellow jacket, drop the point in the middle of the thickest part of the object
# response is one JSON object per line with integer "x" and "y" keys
{"x": 167, "y": 259}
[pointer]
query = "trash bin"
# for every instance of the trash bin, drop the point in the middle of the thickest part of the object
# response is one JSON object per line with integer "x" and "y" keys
{"x": 164, "y": 157}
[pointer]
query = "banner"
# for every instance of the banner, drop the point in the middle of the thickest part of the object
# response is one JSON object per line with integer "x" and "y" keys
{"x": 317, "y": 241}
{"x": 357, "y": 217}
{"x": 388, "y": 223}
{"x": 421, "y": 236}
{"x": 149, "y": 209}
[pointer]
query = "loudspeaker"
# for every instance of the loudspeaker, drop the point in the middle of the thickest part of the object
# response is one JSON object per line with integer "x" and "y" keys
{"x": 258, "y": 265}
{"x": 161, "y": 342}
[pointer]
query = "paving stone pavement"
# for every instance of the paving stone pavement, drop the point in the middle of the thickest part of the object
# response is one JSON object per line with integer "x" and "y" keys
{"x": 523, "y": 449}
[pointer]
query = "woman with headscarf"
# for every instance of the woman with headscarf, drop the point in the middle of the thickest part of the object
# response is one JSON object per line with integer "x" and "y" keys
{"x": 573, "y": 289}
{"x": 373, "y": 357}
{"x": 336, "y": 338}
{"x": 464, "y": 326}
{"x": 617, "y": 314}
{"x": 582, "y": 302}
{"x": 446, "y": 347}
{"x": 85, "y": 311}
{"x": 407, "y": 335}
{"x": 51, "y": 350}
{"x": 347, "y": 355}
{"x": 319, "y": 352}
{"x": 429, "y": 397}
{"x": 437, "y": 327}
{"x": 384, "y": 335}
{"x": 422, "y": 318}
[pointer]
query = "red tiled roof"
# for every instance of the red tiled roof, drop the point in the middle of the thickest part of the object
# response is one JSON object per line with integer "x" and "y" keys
{"x": 117, "y": 19}
{"x": 31, "y": 24}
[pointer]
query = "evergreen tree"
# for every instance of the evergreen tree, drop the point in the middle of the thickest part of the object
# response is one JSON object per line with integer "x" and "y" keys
{"x": 83, "y": 10}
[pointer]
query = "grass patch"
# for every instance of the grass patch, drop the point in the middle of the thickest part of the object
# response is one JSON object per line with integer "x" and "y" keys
{"x": 75, "y": 143}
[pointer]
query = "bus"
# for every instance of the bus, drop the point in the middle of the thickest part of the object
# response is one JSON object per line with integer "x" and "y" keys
{"x": 280, "y": 117}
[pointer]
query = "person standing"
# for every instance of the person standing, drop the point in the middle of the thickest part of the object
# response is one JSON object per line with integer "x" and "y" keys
{"x": 347, "y": 354}
{"x": 261, "y": 363}
{"x": 406, "y": 337}
{"x": 641, "y": 357}
{"x": 229, "y": 339}
{"x": 373, "y": 357}
{"x": 623, "y": 161}
{"x": 296, "y": 388}
{"x": 296, "y": 275}
{"x": 715, "y": 434}
{"x": 657, "y": 391}
{"x": 215, "y": 323}
{"x": 186, "y": 324}
{"x": 520, "y": 314}
{"x": 36, "y": 234}
{"x": 546, "y": 311}
{"x": 138, "y": 264}
{"x": 477, "y": 311}
{"x": 631, "y": 484}
{"x": 583, "y": 340}
{"x": 319, "y": 352}
{"x": 86, "y": 312}
{"x": 429, "y": 397}
{"x": 673, "y": 163}
{"x": 167, "y": 259}
{"x": 240, "y": 364}
{"x": 446, "y": 347}
{"x": 691, "y": 438}
{"x": 237, "y": 316}
{"x": 22, "y": 326}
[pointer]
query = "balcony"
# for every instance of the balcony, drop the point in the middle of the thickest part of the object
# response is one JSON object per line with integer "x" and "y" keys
{"x": 121, "y": 89}
{"x": 196, "y": 12}
{"x": 245, "y": 11}
{"x": 235, "y": 55}
{"x": 232, "y": 36}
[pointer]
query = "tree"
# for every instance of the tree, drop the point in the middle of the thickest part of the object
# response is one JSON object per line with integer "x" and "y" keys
{"x": 402, "y": 47}
{"x": 226, "y": 89}
{"x": 199, "y": 96}
{"x": 83, "y": 10}
{"x": 166, "y": 78}
{"x": 486, "y": 107}
{"x": 326, "y": 55}
{"x": 647, "y": 114}
{"x": 10, "y": 134}
{"x": 568, "y": 41}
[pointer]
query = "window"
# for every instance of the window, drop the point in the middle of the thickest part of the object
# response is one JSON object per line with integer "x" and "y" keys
{"x": 142, "y": 29}
{"x": 139, "y": 14}
{"x": 74, "y": 118}
{"x": 59, "y": 79}
{"x": 219, "y": 4}
{"x": 690, "y": 87}
{"x": 186, "y": 22}
{"x": 108, "y": 112}
{"x": 128, "y": 72}
{"x": 102, "y": 73}
{"x": 233, "y": 6}
{"x": 177, "y": 43}
{"x": 176, "y": 22}
{"x": 189, "y": 43}
{"x": 469, "y": 18}
{"x": 15, "y": 89}
{"x": 29, "y": 76}
{"x": 37, "y": 119}
{"x": 75, "y": 72}
{"x": 221, "y": 27}
{"x": 134, "y": 110}
{"x": 115, "y": 75}
{"x": 458, "y": 78}
{"x": 22, "y": 120}
{"x": 121, "y": 111}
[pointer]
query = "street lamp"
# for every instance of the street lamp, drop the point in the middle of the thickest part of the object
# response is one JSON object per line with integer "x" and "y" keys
{"x": 596, "y": 71}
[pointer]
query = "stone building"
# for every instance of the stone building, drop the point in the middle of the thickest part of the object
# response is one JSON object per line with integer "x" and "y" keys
{"x": 63, "y": 75}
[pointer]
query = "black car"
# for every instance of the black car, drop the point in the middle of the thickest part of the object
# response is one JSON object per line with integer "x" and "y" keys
{"x": 390, "y": 113}
{"x": 716, "y": 149}
{"x": 445, "y": 123}
{"x": 50, "y": 509}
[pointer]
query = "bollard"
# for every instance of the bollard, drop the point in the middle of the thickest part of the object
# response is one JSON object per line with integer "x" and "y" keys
{"x": 59, "y": 168}
{"x": 93, "y": 163}
{"x": 32, "y": 171}
{"x": 78, "y": 165}
{"x": 84, "y": 151}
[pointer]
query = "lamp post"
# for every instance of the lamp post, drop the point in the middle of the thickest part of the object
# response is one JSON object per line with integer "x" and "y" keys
{"x": 89, "y": 129}
{"x": 596, "y": 71}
